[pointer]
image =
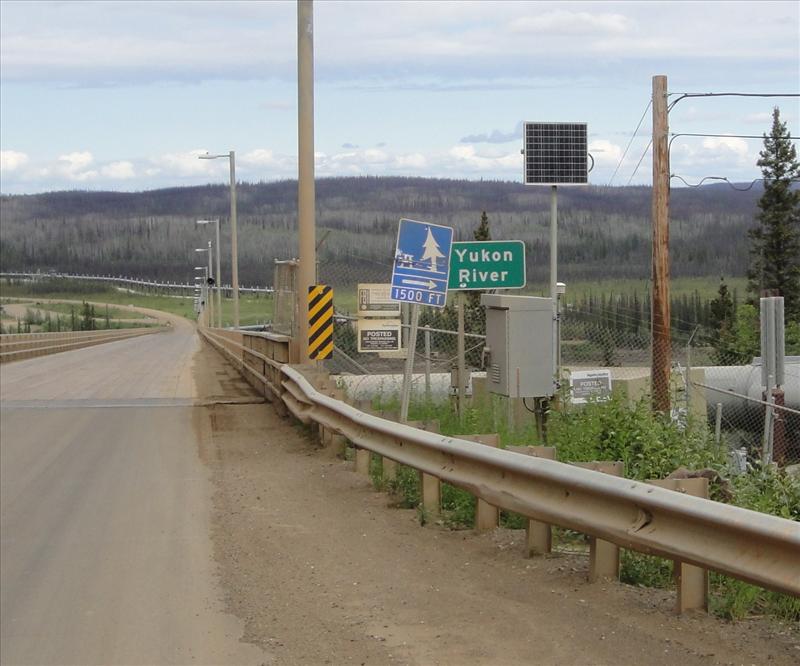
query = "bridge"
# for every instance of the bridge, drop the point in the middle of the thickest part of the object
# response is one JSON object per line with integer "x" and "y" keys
{"x": 180, "y": 497}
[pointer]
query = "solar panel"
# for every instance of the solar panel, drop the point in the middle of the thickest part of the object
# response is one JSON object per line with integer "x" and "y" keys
{"x": 555, "y": 154}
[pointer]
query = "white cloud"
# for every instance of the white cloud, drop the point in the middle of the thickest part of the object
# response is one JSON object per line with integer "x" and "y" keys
{"x": 605, "y": 153}
{"x": 731, "y": 147}
{"x": 116, "y": 43}
{"x": 71, "y": 167}
{"x": 728, "y": 157}
{"x": 118, "y": 171}
{"x": 12, "y": 160}
{"x": 571, "y": 23}
{"x": 467, "y": 157}
{"x": 763, "y": 119}
{"x": 189, "y": 164}
{"x": 74, "y": 162}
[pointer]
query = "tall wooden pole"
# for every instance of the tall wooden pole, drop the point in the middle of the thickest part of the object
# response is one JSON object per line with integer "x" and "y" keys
{"x": 660, "y": 335}
{"x": 306, "y": 231}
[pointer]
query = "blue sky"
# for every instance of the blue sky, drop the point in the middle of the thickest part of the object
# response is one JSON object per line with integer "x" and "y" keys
{"x": 125, "y": 95}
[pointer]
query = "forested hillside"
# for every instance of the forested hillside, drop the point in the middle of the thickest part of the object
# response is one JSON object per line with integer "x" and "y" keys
{"x": 603, "y": 232}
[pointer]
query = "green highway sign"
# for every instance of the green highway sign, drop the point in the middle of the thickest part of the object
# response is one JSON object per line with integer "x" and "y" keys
{"x": 487, "y": 265}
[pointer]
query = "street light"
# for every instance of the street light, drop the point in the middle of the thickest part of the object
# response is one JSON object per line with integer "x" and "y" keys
{"x": 209, "y": 275}
{"x": 219, "y": 274}
{"x": 234, "y": 252}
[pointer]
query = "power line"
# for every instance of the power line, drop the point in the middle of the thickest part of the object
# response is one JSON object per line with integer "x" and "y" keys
{"x": 649, "y": 143}
{"x": 635, "y": 132}
{"x": 723, "y": 179}
{"x": 726, "y": 94}
{"x": 735, "y": 136}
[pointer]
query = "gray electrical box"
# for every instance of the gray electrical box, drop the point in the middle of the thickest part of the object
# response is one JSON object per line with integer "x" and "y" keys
{"x": 520, "y": 343}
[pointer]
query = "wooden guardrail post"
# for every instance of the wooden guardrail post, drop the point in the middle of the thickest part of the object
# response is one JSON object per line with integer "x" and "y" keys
{"x": 603, "y": 555}
{"x": 538, "y": 535}
{"x": 487, "y": 516}
{"x": 691, "y": 581}
{"x": 430, "y": 486}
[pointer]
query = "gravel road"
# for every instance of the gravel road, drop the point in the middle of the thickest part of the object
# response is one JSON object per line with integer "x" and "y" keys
{"x": 322, "y": 570}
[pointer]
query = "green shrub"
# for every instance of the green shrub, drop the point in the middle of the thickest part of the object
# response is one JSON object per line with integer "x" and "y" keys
{"x": 651, "y": 446}
{"x": 406, "y": 486}
{"x": 458, "y": 507}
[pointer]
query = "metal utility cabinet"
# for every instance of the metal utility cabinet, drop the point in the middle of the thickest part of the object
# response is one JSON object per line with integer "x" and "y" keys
{"x": 519, "y": 344}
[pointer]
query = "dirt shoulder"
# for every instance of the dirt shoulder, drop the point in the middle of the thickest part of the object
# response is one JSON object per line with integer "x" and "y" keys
{"x": 323, "y": 571}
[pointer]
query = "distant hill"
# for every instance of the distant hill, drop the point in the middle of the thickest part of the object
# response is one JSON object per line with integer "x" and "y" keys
{"x": 603, "y": 232}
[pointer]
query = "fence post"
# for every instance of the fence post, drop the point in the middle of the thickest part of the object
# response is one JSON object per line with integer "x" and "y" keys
{"x": 691, "y": 581}
{"x": 603, "y": 555}
{"x": 427, "y": 363}
{"x": 430, "y": 486}
{"x": 538, "y": 535}
{"x": 487, "y": 516}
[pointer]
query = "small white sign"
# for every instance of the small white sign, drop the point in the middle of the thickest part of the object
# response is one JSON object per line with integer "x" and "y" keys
{"x": 378, "y": 335}
{"x": 374, "y": 301}
{"x": 586, "y": 384}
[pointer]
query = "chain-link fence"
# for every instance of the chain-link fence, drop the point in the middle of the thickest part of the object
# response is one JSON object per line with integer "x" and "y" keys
{"x": 712, "y": 379}
{"x": 284, "y": 317}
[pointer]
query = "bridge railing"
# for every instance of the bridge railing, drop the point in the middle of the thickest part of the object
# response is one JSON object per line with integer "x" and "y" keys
{"x": 748, "y": 545}
{"x": 187, "y": 288}
{"x": 19, "y": 346}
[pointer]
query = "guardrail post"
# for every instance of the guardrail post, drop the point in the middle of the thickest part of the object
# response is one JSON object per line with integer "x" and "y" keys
{"x": 691, "y": 581}
{"x": 430, "y": 486}
{"x": 363, "y": 458}
{"x": 538, "y": 535}
{"x": 603, "y": 555}
{"x": 487, "y": 516}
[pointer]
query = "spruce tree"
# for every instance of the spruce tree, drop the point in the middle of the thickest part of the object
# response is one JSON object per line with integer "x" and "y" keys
{"x": 474, "y": 312}
{"x": 775, "y": 242}
{"x": 482, "y": 233}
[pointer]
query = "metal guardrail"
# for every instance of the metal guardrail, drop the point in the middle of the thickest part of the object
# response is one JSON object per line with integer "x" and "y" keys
{"x": 748, "y": 545}
{"x": 150, "y": 284}
{"x": 28, "y": 345}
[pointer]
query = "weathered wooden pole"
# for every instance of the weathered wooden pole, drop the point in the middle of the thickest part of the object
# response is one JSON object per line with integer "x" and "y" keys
{"x": 660, "y": 319}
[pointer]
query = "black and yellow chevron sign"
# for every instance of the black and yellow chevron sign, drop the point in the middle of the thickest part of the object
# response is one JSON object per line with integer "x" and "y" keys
{"x": 320, "y": 322}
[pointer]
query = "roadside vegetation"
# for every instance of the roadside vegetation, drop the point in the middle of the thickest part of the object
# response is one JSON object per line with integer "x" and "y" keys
{"x": 652, "y": 447}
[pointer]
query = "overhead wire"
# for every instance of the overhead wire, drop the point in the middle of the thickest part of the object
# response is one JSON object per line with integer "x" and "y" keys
{"x": 724, "y": 94}
{"x": 638, "y": 164}
{"x": 633, "y": 136}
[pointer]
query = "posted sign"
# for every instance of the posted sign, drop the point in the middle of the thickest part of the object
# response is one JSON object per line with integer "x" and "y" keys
{"x": 378, "y": 335}
{"x": 374, "y": 301}
{"x": 487, "y": 265}
{"x": 586, "y": 384}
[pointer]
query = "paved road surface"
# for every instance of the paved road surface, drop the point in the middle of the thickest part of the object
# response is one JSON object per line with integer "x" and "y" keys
{"x": 105, "y": 511}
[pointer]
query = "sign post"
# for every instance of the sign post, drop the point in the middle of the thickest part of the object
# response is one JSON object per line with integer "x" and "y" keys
{"x": 482, "y": 265}
{"x": 419, "y": 276}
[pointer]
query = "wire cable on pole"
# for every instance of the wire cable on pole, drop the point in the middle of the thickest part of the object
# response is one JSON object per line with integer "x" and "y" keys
{"x": 633, "y": 136}
{"x": 638, "y": 164}
{"x": 725, "y": 94}
{"x": 723, "y": 179}
{"x": 733, "y": 136}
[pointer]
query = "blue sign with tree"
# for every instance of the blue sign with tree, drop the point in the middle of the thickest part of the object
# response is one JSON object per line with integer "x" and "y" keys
{"x": 421, "y": 263}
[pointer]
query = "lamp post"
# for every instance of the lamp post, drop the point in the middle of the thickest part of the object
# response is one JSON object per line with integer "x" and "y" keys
{"x": 218, "y": 273}
{"x": 209, "y": 274}
{"x": 234, "y": 251}
{"x": 199, "y": 290}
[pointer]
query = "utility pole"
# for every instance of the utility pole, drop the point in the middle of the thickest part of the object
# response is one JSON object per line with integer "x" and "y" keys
{"x": 306, "y": 230}
{"x": 234, "y": 248}
{"x": 660, "y": 318}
